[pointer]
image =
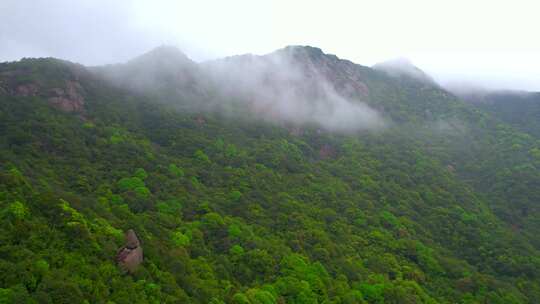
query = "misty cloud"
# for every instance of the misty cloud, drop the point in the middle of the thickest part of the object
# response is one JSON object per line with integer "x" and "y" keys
{"x": 290, "y": 86}
{"x": 491, "y": 53}
{"x": 403, "y": 67}
{"x": 280, "y": 87}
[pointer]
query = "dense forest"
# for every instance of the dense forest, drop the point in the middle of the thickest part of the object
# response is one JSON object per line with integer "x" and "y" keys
{"x": 517, "y": 108}
{"x": 439, "y": 205}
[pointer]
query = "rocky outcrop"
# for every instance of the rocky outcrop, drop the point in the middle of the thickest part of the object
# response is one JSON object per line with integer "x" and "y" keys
{"x": 130, "y": 256}
{"x": 60, "y": 87}
{"x": 344, "y": 76}
{"x": 69, "y": 98}
{"x": 29, "y": 89}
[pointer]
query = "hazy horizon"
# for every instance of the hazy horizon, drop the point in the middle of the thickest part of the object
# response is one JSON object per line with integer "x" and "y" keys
{"x": 483, "y": 44}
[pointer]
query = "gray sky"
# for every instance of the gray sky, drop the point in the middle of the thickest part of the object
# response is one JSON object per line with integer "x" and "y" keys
{"x": 490, "y": 43}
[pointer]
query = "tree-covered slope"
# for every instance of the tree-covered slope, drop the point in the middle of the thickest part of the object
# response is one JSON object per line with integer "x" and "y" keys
{"x": 234, "y": 209}
{"x": 519, "y": 109}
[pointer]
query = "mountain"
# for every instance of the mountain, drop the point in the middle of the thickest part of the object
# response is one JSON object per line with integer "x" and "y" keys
{"x": 291, "y": 177}
{"x": 297, "y": 85}
{"x": 403, "y": 68}
{"x": 161, "y": 73}
{"x": 519, "y": 109}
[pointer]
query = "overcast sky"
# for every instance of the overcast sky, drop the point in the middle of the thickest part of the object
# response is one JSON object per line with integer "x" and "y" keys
{"x": 490, "y": 43}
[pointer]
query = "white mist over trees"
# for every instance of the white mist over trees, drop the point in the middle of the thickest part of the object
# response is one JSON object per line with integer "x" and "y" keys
{"x": 296, "y": 85}
{"x": 290, "y": 85}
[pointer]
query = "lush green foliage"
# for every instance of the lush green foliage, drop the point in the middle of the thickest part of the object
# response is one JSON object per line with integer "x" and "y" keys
{"x": 440, "y": 208}
{"x": 519, "y": 109}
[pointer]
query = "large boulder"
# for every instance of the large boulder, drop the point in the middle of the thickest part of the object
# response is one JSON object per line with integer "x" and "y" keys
{"x": 130, "y": 256}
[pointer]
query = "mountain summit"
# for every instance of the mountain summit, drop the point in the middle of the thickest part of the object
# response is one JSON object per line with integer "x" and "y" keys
{"x": 164, "y": 72}
{"x": 298, "y": 85}
{"x": 403, "y": 67}
{"x": 163, "y": 56}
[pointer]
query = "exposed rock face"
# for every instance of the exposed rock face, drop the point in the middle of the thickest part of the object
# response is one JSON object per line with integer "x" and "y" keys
{"x": 342, "y": 74}
{"x": 130, "y": 256}
{"x": 61, "y": 88}
{"x": 69, "y": 98}
{"x": 27, "y": 90}
{"x": 297, "y": 85}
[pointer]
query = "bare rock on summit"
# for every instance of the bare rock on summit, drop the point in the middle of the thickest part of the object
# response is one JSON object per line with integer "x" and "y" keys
{"x": 130, "y": 256}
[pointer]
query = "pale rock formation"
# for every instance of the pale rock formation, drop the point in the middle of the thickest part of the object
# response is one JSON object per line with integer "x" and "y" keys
{"x": 130, "y": 256}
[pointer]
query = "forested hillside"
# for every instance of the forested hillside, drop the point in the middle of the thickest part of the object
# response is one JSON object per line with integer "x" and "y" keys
{"x": 519, "y": 109}
{"x": 428, "y": 199}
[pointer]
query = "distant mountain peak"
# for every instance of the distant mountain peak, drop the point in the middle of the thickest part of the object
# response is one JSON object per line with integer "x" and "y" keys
{"x": 399, "y": 61}
{"x": 162, "y": 69}
{"x": 164, "y": 54}
{"x": 166, "y": 50}
{"x": 303, "y": 49}
{"x": 304, "y": 52}
{"x": 400, "y": 67}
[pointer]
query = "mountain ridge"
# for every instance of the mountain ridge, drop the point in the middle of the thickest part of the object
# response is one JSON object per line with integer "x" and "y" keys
{"x": 237, "y": 202}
